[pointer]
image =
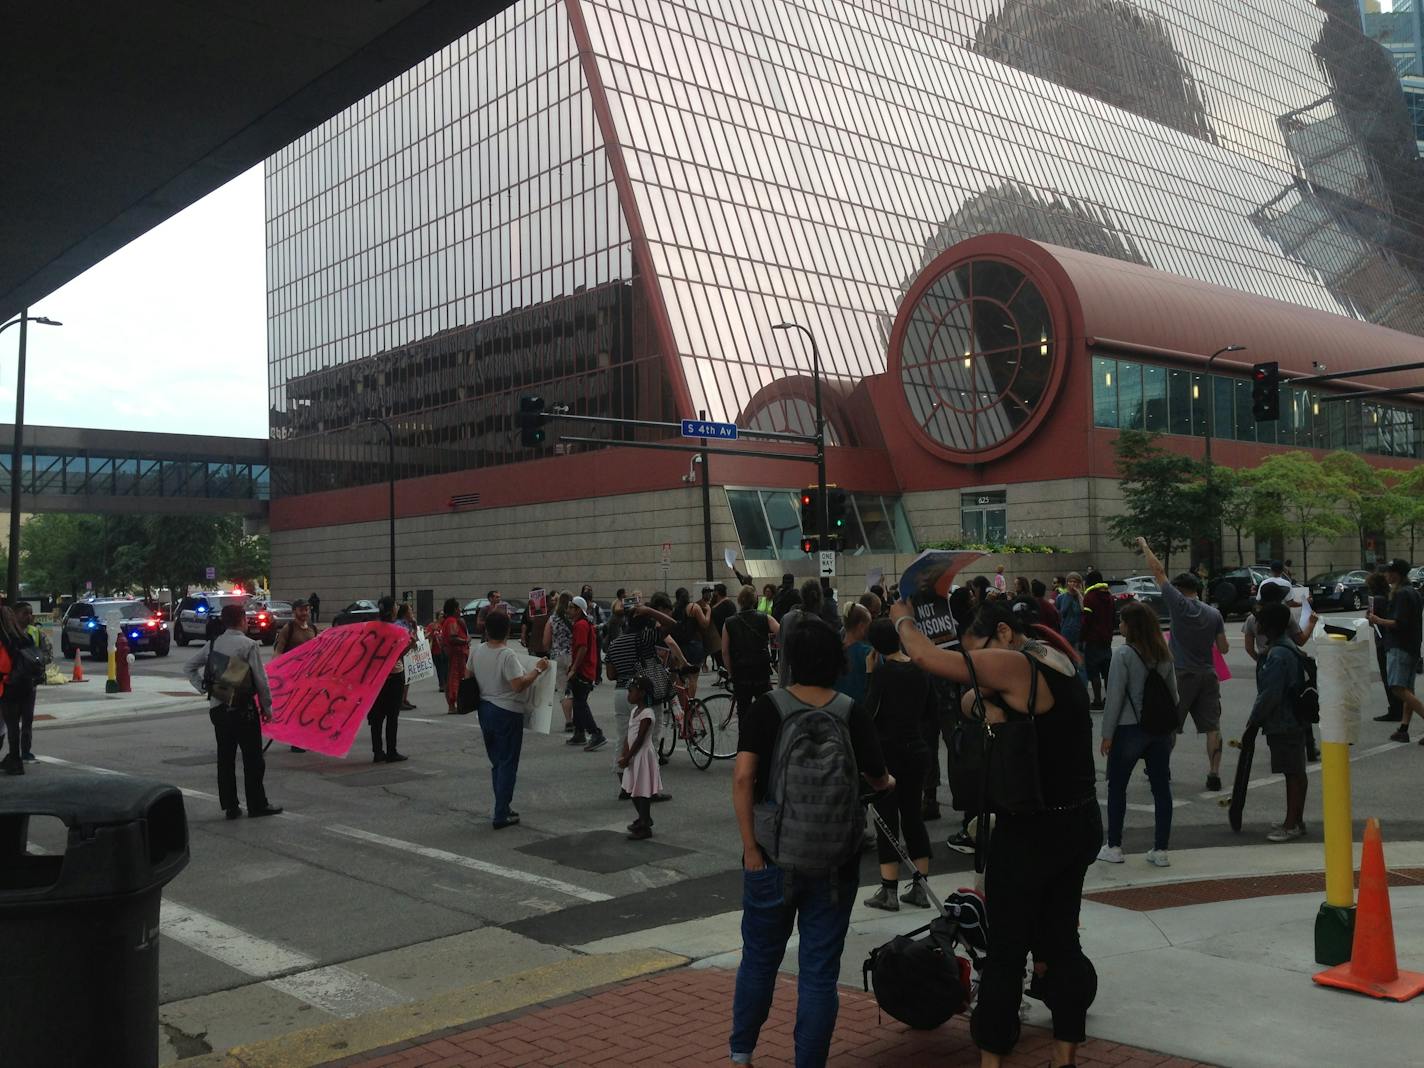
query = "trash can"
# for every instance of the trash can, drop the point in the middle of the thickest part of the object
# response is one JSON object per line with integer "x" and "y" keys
{"x": 79, "y": 931}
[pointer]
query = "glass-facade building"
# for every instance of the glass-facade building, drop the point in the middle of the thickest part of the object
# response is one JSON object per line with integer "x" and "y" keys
{"x": 610, "y": 202}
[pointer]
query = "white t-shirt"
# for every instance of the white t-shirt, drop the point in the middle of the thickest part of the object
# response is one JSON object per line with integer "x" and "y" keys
{"x": 495, "y": 668}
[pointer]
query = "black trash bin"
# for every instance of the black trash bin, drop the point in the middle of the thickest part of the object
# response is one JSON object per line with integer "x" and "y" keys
{"x": 79, "y": 932}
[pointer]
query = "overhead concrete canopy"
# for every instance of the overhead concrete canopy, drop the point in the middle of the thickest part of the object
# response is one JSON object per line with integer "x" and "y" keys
{"x": 117, "y": 116}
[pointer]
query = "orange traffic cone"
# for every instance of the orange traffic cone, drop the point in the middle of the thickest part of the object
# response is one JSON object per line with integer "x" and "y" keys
{"x": 78, "y": 675}
{"x": 1372, "y": 968}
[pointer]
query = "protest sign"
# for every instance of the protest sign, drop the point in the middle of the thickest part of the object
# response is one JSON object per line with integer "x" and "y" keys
{"x": 730, "y": 555}
{"x": 926, "y": 583}
{"x": 322, "y": 689}
{"x": 419, "y": 665}
{"x": 875, "y": 577}
{"x": 538, "y": 602}
{"x": 540, "y": 699}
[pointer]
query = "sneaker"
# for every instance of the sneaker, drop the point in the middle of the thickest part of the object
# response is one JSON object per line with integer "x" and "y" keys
{"x": 406, "y": 706}
{"x": 1390, "y": 717}
{"x": 500, "y": 825}
{"x": 1285, "y": 834}
{"x": 1401, "y": 735}
{"x": 578, "y": 738}
{"x": 395, "y": 758}
{"x": 915, "y": 896}
{"x": 640, "y": 833}
{"x": 1213, "y": 783}
{"x": 624, "y": 795}
{"x": 595, "y": 743}
{"x": 1111, "y": 854}
{"x": 884, "y": 898}
{"x": 961, "y": 842}
{"x": 232, "y": 813}
{"x": 379, "y": 757}
{"x": 1158, "y": 858}
{"x": 568, "y": 728}
{"x": 27, "y": 757}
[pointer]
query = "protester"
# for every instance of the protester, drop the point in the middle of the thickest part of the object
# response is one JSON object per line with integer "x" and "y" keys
{"x": 1097, "y": 633}
{"x": 1021, "y": 588}
{"x": 723, "y": 609}
{"x": 438, "y": 657}
{"x": 595, "y": 610}
{"x": 858, "y": 653}
{"x": 787, "y": 597}
{"x": 1125, "y": 742}
{"x": 503, "y": 681}
{"x": 746, "y": 651}
{"x": 315, "y": 603}
{"x": 775, "y": 898}
{"x": 406, "y": 618}
{"x": 385, "y": 712}
{"x": 872, "y": 604}
{"x": 455, "y": 640}
{"x": 807, "y": 607}
{"x": 1047, "y": 610}
{"x": 1378, "y": 587}
{"x": 1070, "y": 611}
{"x": 642, "y": 778}
{"x": 1277, "y": 578}
{"x": 1196, "y": 628}
{"x": 583, "y": 676}
{"x": 689, "y": 631}
{"x": 767, "y": 599}
{"x": 900, "y": 699}
{"x": 533, "y": 628}
{"x": 879, "y": 593}
{"x": 1275, "y": 593}
{"x": 229, "y": 670}
{"x": 298, "y": 631}
{"x": 635, "y": 652}
{"x": 1278, "y": 674}
{"x": 559, "y": 641}
{"x": 17, "y": 700}
{"x": 1000, "y": 583}
{"x": 1037, "y": 859}
{"x": 1402, "y": 630}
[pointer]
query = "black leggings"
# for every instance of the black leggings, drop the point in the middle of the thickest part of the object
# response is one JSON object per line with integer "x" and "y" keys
{"x": 1034, "y": 889}
{"x": 900, "y": 809}
{"x": 386, "y": 710}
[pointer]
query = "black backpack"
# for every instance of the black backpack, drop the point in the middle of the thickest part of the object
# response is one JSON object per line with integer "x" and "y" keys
{"x": 1158, "y": 714}
{"x": 923, "y": 981}
{"x": 1305, "y": 696}
{"x": 749, "y": 642}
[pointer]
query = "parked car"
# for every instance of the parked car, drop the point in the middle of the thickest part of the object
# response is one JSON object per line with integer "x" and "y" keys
{"x": 198, "y": 617}
{"x": 89, "y": 626}
{"x": 1339, "y": 591}
{"x": 1233, "y": 591}
{"x": 266, "y": 618}
{"x": 1416, "y": 576}
{"x": 1146, "y": 590}
{"x": 471, "y": 614}
{"x": 356, "y": 612}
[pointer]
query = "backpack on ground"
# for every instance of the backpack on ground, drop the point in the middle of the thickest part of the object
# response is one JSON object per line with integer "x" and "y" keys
{"x": 1158, "y": 714}
{"x": 811, "y": 819}
{"x": 919, "y": 978}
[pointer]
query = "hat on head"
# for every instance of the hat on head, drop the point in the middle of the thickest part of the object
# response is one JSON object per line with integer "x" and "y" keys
{"x": 1398, "y": 566}
{"x": 580, "y": 604}
{"x": 300, "y": 602}
{"x": 1187, "y": 581}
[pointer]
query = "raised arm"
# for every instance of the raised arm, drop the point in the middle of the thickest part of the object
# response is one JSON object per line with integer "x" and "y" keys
{"x": 1159, "y": 573}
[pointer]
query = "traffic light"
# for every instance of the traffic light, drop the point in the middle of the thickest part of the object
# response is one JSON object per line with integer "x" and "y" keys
{"x": 810, "y": 544}
{"x": 531, "y": 421}
{"x": 836, "y": 501}
{"x": 810, "y": 511}
{"x": 1266, "y": 392}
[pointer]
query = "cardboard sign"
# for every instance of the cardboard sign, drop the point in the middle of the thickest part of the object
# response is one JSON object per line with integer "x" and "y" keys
{"x": 538, "y": 602}
{"x": 322, "y": 689}
{"x": 419, "y": 665}
{"x": 926, "y": 584}
{"x": 730, "y": 555}
{"x": 541, "y": 699}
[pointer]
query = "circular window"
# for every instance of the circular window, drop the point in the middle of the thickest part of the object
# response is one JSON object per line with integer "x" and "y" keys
{"x": 976, "y": 356}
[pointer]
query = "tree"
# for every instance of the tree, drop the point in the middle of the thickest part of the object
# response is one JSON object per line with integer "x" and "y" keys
{"x": 1164, "y": 494}
{"x": 1361, "y": 494}
{"x": 1297, "y": 498}
{"x": 1238, "y": 504}
{"x": 242, "y": 558}
{"x": 1406, "y": 504}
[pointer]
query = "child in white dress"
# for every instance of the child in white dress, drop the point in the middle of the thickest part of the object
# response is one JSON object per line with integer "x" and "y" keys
{"x": 639, "y": 760}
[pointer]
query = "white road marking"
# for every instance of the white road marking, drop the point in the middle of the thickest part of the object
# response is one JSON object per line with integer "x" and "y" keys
{"x": 332, "y": 989}
{"x": 541, "y": 881}
{"x": 1311, "y": 769}
{"x": 184, "y": 790}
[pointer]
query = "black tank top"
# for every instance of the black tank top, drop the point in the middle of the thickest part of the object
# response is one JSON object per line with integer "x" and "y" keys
{"x": 1065, "y": 740}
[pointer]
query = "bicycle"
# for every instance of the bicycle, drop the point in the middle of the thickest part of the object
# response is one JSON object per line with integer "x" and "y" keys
{"x": 689, "y": 722}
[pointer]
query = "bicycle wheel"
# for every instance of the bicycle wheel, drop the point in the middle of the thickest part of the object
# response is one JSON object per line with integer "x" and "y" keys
{"x": 667, "y": 734}
{"x": 723, "y": 710}
{"x": 700, "y": 735}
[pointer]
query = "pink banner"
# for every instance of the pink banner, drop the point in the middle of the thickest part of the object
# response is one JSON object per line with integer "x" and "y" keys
{"x": 322, "y": 690}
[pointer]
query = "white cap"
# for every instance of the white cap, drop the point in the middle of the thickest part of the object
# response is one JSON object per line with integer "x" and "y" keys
{"x": 580, "y": 603}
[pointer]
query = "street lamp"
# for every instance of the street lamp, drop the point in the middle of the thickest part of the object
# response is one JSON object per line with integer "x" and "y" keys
{"x": 12, "y": 573}
{"x": 1211, "y": 429}
{"x": 821, "y": 517}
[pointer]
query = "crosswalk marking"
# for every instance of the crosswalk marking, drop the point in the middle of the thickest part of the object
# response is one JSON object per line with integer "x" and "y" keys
{"x": 542, "y": 881}
{"x": 332, "y": 989}
{"x": 186, "y": 791}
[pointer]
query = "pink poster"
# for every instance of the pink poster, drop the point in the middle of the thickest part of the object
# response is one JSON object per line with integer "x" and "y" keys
{"x": 322, "y": 690}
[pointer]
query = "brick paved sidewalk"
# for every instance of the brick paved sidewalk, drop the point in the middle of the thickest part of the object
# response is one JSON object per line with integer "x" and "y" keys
{"x": 679, "y": 1019}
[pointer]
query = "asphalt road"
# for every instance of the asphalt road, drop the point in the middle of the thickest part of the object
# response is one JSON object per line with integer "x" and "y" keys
{"x": 369, "y": 858}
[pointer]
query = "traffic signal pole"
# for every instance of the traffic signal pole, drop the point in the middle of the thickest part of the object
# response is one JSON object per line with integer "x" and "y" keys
{"x": 706, "y": 503}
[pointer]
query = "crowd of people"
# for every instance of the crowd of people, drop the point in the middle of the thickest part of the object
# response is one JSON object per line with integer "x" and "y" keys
{"x": 839, "y": 702}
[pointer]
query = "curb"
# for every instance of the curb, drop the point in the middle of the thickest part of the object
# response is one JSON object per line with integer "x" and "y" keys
{"x": 454, "y": 1009}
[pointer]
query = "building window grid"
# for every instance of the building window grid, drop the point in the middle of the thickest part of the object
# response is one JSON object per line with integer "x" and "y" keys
{"x": 769, "y": 526}
{"x": 1358, "y": 425}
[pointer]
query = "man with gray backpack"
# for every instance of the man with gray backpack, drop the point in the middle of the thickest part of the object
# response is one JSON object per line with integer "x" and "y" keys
{"x": 805, "y": 756}
{"x": 229, "y": 671}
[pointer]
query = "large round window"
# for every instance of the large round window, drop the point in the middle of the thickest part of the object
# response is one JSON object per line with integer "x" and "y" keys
{"x": 976, "y": 356}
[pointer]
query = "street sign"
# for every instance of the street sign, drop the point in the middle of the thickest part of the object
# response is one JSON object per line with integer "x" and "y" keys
{"x": 667, "y": 554}
{"x": 700, "y": 428}
{"x": 211, "y": 573}
{"x": 828, "y": 563}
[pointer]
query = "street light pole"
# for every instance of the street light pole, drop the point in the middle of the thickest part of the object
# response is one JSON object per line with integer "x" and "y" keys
{"x": 1210, "y": 431}
{"x": 822, "y": 516}
{"x": 12, "y": 572}
{"x": 391, "y": 495}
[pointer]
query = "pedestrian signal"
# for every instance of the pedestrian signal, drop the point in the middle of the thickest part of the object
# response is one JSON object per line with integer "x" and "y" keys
{"x": 1266, "y": 392}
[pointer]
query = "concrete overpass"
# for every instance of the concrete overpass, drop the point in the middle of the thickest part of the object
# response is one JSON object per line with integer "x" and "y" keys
{"x": 67, "y": 469}
{"x": 118, "y": 115}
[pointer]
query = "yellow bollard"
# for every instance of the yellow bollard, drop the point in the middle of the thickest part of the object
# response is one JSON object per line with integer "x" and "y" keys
{"x": 112, "y": 683}
{"x": 1339, "y": 835}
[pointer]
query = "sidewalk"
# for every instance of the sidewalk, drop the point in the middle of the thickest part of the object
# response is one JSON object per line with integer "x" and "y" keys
{"x": 87, "y": 702}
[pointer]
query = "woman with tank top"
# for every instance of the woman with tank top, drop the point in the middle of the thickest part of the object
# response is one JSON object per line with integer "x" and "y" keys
{"x": 1037, "y": 860}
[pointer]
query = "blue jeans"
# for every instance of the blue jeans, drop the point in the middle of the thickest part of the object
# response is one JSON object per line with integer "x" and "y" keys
{"x": 1131, "y": 744}
{"x": 772, "y": 900}
{"x": 504, "y": 738}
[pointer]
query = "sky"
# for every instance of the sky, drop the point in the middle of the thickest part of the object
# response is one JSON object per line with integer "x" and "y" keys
{"x": 167, "y": 334}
